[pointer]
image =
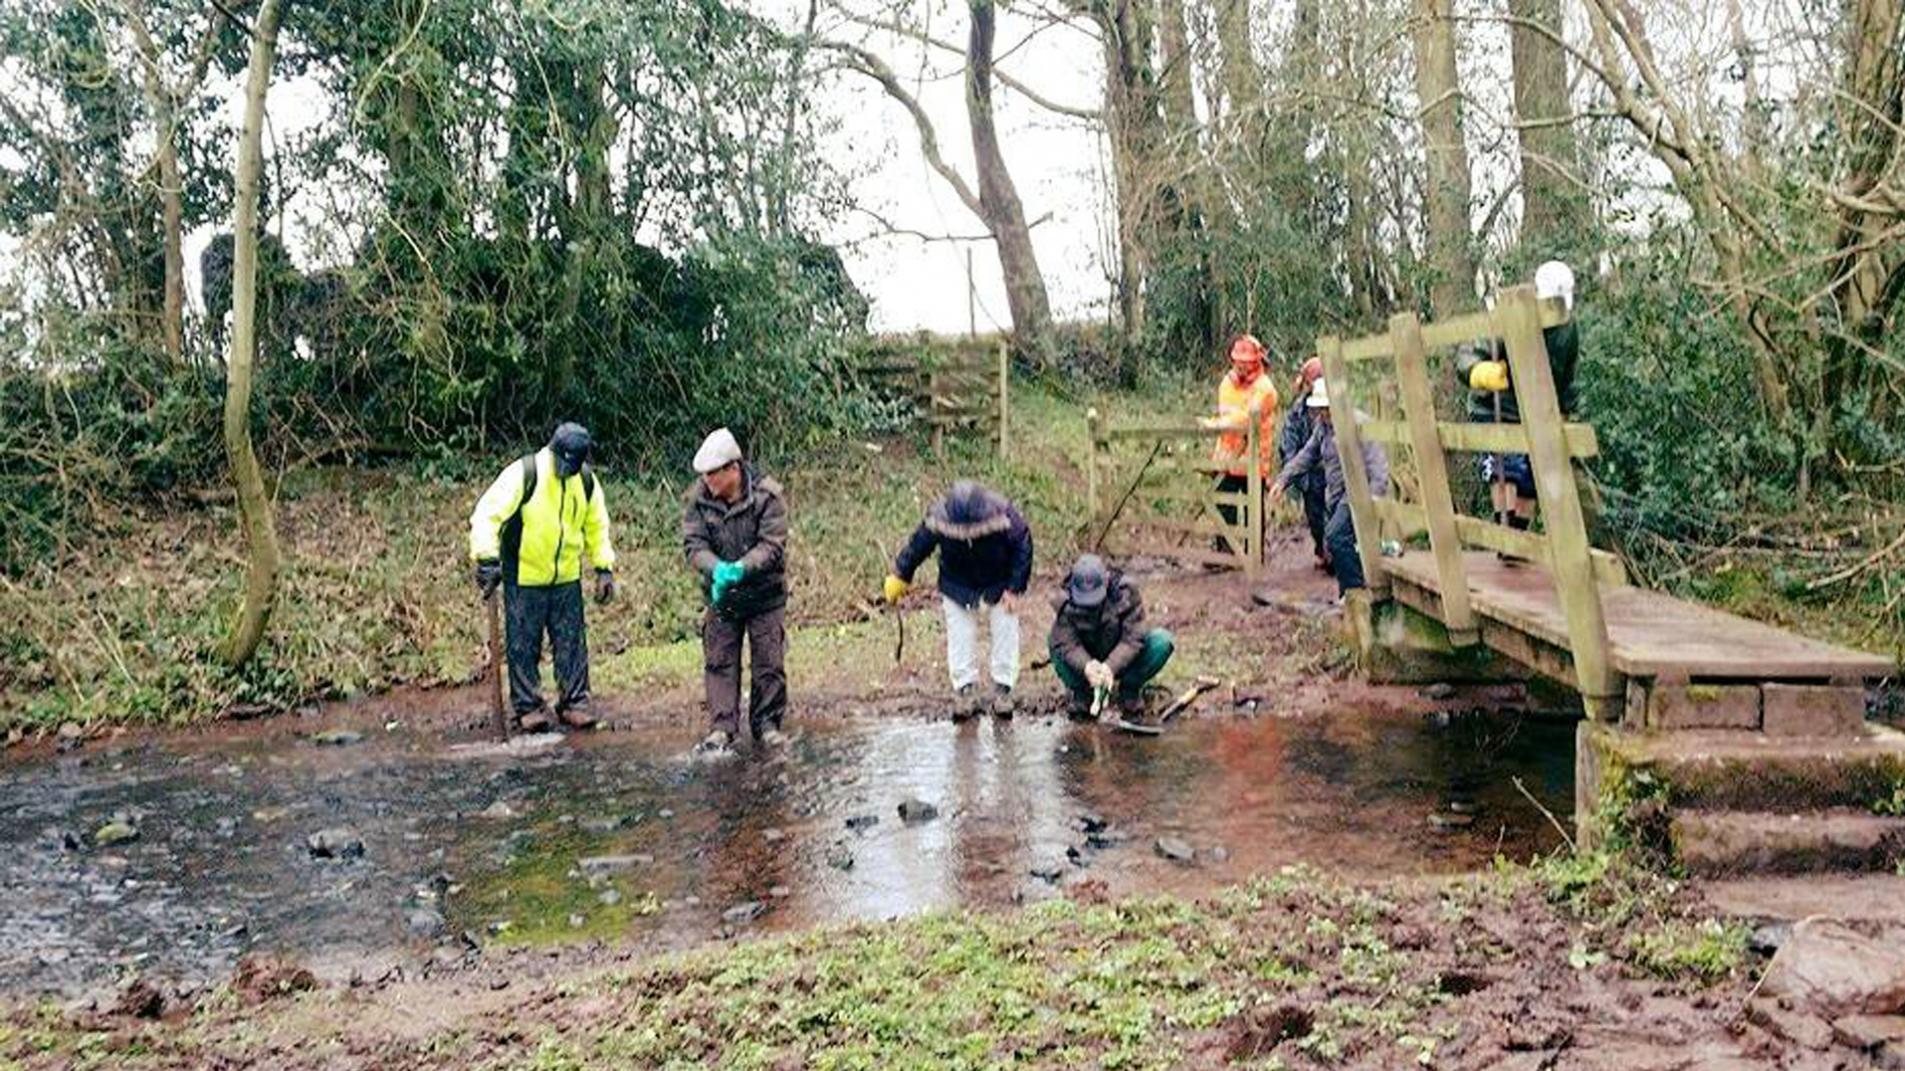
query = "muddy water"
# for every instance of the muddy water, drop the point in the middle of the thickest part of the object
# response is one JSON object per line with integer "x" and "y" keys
{"x": 618, "y": 836}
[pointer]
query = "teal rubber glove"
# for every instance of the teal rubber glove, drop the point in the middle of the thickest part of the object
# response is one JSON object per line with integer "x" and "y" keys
{"x": 726, "y": 575}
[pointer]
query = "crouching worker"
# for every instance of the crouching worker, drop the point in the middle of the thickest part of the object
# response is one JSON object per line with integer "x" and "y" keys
{"x": 1099, "y": 642}
{"x": 734, "y": 533}
{"x": 531, "y": 532}
{"x": 985, "y": 563}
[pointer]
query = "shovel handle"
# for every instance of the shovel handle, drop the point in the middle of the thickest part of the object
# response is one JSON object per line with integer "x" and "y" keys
{"x": 498, "y": 710}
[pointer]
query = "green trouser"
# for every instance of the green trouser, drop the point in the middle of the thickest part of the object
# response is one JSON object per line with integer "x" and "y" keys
{"x": 1158, "y": 646}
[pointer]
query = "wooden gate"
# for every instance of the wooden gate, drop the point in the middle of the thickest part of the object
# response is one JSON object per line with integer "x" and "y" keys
{"x": 1151, "y": 488}
{"x": 964, "y": 388}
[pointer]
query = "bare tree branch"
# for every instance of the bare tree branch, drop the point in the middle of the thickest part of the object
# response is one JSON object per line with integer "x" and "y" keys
{"x": 1093, "y": 115}
{"x": 874, "y": 67}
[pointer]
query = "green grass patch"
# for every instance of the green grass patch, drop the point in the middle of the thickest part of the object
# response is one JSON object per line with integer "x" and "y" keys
{"x": 376, "y": 593}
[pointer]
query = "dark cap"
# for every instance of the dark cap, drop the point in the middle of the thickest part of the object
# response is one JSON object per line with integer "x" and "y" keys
{"x": 571, "y": 445}
{"x": 1088, "y": 582}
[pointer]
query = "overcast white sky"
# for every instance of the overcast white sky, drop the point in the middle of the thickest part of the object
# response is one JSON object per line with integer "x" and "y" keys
{"x": 912, "y": 283}
{"x": 1057, "y": 163}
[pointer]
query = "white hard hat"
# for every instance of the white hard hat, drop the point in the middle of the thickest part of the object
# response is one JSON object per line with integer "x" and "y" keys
{"x": 1319, "y": 395}
{"x": 717, "y": 450}
{"x": 1555, "y": 280}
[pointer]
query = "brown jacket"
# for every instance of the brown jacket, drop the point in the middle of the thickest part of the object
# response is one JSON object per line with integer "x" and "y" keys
{"x": 752, "y": 531}
{"x": 1112, "y": 633}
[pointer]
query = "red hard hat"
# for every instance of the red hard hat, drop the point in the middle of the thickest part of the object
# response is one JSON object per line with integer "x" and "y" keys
{"x": 1311, "y": 371}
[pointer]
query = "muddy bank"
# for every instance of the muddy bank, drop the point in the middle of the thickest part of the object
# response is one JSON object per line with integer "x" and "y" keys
{"x": 617, "y": 837}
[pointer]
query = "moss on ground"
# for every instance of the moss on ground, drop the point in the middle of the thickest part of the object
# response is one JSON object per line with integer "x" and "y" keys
{"x": 1291, "y": 969}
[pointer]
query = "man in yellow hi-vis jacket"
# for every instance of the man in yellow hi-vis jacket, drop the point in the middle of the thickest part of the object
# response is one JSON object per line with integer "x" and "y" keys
{"x": 530, "y": 534}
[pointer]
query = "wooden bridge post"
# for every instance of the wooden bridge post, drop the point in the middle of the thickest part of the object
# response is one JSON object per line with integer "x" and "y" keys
{"x": 1519, "y": 318}
{"x": 1349, "y": 447}
{"x": 1432, "y": 466}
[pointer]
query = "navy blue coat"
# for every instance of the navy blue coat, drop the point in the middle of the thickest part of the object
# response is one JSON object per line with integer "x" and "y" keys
{"x": 978, "y": 562}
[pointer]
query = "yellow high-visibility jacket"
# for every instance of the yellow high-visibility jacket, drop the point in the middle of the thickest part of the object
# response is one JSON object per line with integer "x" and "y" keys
{"x": 1234, "y": 400}
{"x": 552, "y": 531}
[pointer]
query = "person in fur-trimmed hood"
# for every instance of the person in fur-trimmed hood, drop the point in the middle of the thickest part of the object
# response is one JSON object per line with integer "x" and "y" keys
{"x": 985, "y": 564}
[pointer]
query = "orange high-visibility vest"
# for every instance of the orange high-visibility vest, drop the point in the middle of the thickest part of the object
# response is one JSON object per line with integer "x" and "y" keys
{"x": 1234, "y": 400}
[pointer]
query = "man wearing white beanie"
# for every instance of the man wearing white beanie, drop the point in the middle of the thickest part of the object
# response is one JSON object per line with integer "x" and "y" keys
{"x": 734, "y": 533}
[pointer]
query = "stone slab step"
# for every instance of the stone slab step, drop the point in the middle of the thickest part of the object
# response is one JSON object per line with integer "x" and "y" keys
{"x": 1747, "y": 842}
{"x": 1718, "y": 770}
{"x": 1789, "y": 898}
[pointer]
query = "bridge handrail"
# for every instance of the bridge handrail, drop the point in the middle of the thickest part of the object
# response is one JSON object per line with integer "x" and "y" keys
{"x": 1549, "y": 443}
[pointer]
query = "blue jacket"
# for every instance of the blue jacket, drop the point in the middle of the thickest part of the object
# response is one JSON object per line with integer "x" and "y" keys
{"x": 981, "y": 557}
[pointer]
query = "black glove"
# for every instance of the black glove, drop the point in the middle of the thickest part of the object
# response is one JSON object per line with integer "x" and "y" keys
{"x": 489, "y": 575}
{"x": 604, "y": 586}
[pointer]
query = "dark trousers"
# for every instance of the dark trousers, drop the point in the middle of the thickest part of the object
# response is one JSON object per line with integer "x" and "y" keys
{"x": 1231, "y": 485}
{"x": 766, "y": 636}
{"x": 1339, "y": 535}
{"x": 1316, "y": 510}
{"x": 557, "y": 610}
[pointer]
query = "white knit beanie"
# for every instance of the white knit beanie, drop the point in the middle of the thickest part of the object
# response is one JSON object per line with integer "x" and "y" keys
{"x": 717, "y": 450}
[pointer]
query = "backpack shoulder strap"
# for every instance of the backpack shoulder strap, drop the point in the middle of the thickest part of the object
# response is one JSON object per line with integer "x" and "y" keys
{"x": 529, "y": 482}
{"x": 588, "y": 483}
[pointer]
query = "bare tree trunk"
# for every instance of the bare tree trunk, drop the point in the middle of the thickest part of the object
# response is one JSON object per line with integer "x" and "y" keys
{"x": 1870, "y": 116}
{"x": 1180, "y": 111}
{"x": 172, "y": 207}
{"x": 1135, "y": 126}
{"x": 1243, "y": 82}
{"x": 254, "y": 506}
{"x": 999, "y": 198}
{"x": 1554, "y": 208}
{"x": 1440, "y": 95}
{"x": 171, "y": 183}
{"x": 1122, "y": 131}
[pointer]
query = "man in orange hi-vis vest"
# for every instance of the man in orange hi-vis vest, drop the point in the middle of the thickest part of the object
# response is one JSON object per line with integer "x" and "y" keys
{"x": 1243, "y": 387}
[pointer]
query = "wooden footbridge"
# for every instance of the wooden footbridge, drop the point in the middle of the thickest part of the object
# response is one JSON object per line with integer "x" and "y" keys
{"x": 1566, "y": 610}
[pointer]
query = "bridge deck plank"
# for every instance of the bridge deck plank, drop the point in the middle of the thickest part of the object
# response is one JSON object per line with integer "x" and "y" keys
{"x": 1649, "y": 634}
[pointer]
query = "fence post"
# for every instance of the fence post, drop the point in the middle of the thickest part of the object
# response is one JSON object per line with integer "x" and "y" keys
{"x": 1518, "y": 316}
{"x": 932, "y": 413}
{"x": 1349, "y": 448}
{"x": 1092, "y": 429}
{"x": 1432, "y": 466}
{"x": 1005, "y": 402}
{"x": 1253, "y": 493}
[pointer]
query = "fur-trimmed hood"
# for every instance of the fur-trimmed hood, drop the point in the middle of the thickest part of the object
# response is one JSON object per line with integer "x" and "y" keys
{"x": 969, "y": 512}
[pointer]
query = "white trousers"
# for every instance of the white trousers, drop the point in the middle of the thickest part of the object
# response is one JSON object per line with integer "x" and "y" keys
{"x": 962, "y": 643}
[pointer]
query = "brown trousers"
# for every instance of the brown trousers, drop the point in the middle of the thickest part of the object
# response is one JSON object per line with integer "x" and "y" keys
{"x": 766, "y": 635}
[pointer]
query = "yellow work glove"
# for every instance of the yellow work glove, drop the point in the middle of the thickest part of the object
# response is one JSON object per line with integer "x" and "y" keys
{"x": 893, "y": 589}
{"x": 1489, "y": 375}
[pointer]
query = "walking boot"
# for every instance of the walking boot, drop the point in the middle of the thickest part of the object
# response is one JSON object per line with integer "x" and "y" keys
{"x": 718, "y": 744}
{"x": 576, "y": 717}
{"x": 533, "y": 721}
{"x": 1131, "y": 705}
{"x": 1001, "y": 705}
{"x": 1078, "y": 706}
{"x": 965, "y": 702}
{"x": 771, "y": 736}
